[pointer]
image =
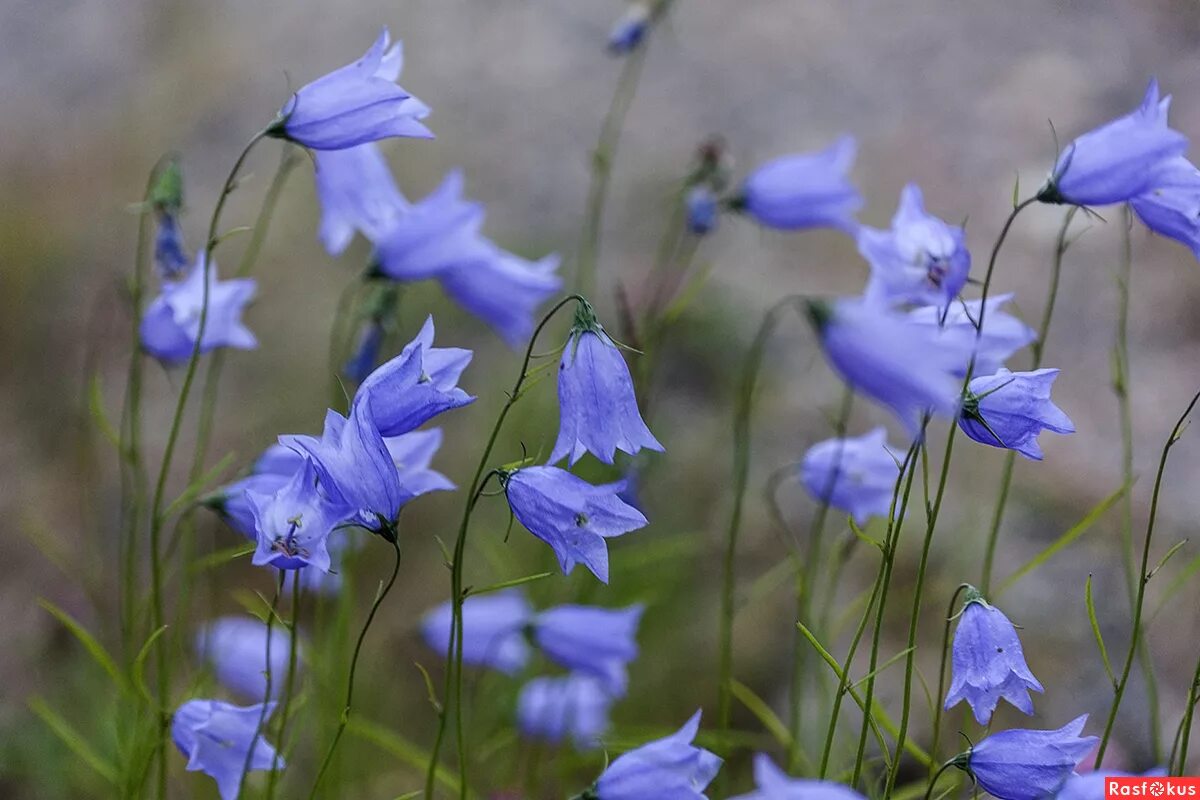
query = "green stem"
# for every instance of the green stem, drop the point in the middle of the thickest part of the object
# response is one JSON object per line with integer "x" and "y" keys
{"x": 1184, "y": 735}
{"x": 289, "y": 683}
{"x": 1139, "y": 597}
{"x": 941, "y": 691}
{"x": 933, "y": 780}
{"x": 266, "y": 698}
{"x": 362, "y": 635}
{"x": 453, "y": 685}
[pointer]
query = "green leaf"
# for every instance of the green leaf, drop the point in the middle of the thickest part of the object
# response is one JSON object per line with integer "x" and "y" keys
{"x": 1177, "y": 583}
{"x": 429, "y": 690}
{"x": 96, "y": 409}
{"x": 404, "y": 750}
{"x": 1073, "y": 533}
{"x": 496, "y": 587}
{"x": 755, "y": 705}
{"x": 884, "y": 666}
{"x": 73, "y": 739}
{"x": 189, "y": 495}
{"x": 220, "y": 558}
{"x": 1162, "y": 561}
{"x": 89, "y": 642}
{"x": 139, "y": 667}
{"x": 858, "y": 532}
{"x": 1095, "y": 623}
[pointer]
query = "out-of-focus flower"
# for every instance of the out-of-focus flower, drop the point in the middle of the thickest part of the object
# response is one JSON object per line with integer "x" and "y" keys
{"x": 1090, "y": 785}
{"x": 355, "y": 104}
{"x": 590, "y": 640}
{"x": 1003, "y": 334}
{"x": 357, "y": 194}
{"x": 598, "y": 411}
{"x": 630, "y": 29}
{"x": 1010, "y": 409}
{"x": 1021, "y": 764}
{"x": 774, "y": 784}
{"x": 809, "y": 190}
{"x": 170, "y": 255}
{"x": 571, "y": 515}
{"x": 494, "y": 628}
{"x": 886, "y": 356}
{"x": 920, "y": 259}
{"x": 1117, "y": 161}
{"x": 365, "y": 355}
{"x": 988, "y": 663}
{"x": 1171, "y": 207}
{"x": 236, "y": 646}
{"x": 551, "y": 709}
{"x": 672, "y": 767}
{"x": 217, "y": 737}
{"x": 504, "y": 290}
{"x": 855, "y": 475}
{"x": 294, "y": 523}
{"x": 171, "y": 324}
{"x": 412, "y": 453}
{"x": 701, "y": 205}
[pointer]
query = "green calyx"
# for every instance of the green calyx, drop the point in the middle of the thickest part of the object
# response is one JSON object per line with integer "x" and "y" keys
{"x": 585, "y": 319}
{"x": 819, "y": 313}
{"x": 167, "y": 194}
{"x": 973, "y": 595}
{"x": 1049, "y": 193}
{"x": 962, "y": 761}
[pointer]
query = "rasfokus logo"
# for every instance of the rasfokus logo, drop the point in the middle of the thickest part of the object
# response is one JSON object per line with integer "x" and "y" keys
{"x": 1151, "y": 786}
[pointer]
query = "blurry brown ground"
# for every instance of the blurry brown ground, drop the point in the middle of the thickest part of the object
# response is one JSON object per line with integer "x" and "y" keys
{"x": 953, "y": 95}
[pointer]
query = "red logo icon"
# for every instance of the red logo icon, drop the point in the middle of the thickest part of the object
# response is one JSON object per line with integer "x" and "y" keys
{"x": 1151, "y": 786}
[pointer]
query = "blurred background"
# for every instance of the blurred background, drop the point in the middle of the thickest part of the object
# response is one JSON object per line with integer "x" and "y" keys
{"x": 953, "y": 96}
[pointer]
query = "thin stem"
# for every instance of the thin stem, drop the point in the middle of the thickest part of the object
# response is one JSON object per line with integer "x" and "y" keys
{"x": 362, "y": 635}
{"x": 289, "y": 683}
{"x": 1139, "y": 598}
{"x": 1183, "y": 737}
{"x": 266, "y": 698}
{"x": 453, "y": 683}
{"x": 941, "y": 691}
{"x": 933, "y": 780}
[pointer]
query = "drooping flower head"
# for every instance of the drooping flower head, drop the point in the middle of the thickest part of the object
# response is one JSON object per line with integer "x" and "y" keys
{"x": 1171, "y": 206}
{"x": 701, "y": 205}
{"x": 667, "y": 768}
{"x": 590, "y": 640}
{"x": 1010, "y": 409}
{"x": 357, "y": 194}
{"x": 920, "y": 259}
{"x": 216, "y": 737}
{"x": 270, "y": 473}
{"x": 598, "y": 410}
{"x": 1002, "y": 335}
{"x": 856, "y": 475}
{"x": 809, "y": 190}
{"x": 171, "y": 324}
{"x": 1021, "y": 764}
{"x": 355, "y": 104}
{"x": 571, "y": 515}
{"x": 774, "y": 784}
{"x": 293, "y": 524}
{"x": 881, "y": 353}
{"x": 1117, "y": 161}
{"x": 237, "y": 649}
{"x": 553, "y": 709}
{"x": 988, "y": 664}
{"x": 494, "y": 628}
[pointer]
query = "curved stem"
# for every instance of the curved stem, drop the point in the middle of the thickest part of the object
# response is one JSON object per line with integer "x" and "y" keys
{"x": 453, "y": 685}
{"x": 266, "y": 698}
{"x": 1183, "y": 737}
{"x": 941, "y": 692}
{"x": 934, "y": 779}
{"x": 1140, "y": 596}
{"x": 345, "y": 720}
{"x": 289, "y": 683}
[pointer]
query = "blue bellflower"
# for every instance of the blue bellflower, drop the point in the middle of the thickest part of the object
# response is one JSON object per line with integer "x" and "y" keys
{"x": 920, "y": 259}
{"x": 774, "y": 784}
{"x": 808, "y": 190}
{"x": 365, "y": 355}
{"x": 571, "y": 515}
{"x": 701, "y": 206}
{"x": 598, "y": 410}
{"x": 988, "y": 664}
{"x": 1171, "y": 207}
{"x": 1090, "y": 785}
{"x": 494, "y": 628}
{"x": 1117, "y": 161}
{"x": 355, "y": 104}
{"x": 171, "y": 324}
{"x": 294, "y": 523}
{"x": 1023, "y": 764}
{"x": 504, "y": 290}
{"x": 412, "y": 453}
{"x": 855, "y": 475}
{"x": 553, "y": 709}
{"x": 236, "y": 647}
{"x": 1010, "y": 409}
{"x": 216, "y": 737}
{"x": 170, "y": 255}
{"x": 357, "y": 194}
{"x": 884, "y": 355}
{"x": 630, "y": 29}
{"x": 270, "y": 473}
{"x": 667, "y": 768}
{"x": 589, "y": 640}
{"x": 1002, "y": 336}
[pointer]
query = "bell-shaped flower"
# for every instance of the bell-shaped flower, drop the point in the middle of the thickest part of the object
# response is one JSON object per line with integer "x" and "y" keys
{"x": 598, "y": 411}
{"x": 807, "y": 190}
{"x": 920, "y": 259}
{"x": 494, "y": 627}
{"x": 171, "y": 324}
{"x": 590, "y": 640}
{"x": 1023, "y": 764}
{"x": 170, "y": 254}
{"x": 357, "y": 195}
{"x": 856, "y": 475}
{"x": 237, "y": 648}
{"x": 504, "y": 290}
{"x": 1010, "y": 409}
{"x": 701, "y": 205}
{"x": 987, "y": 662}
{"x": 667, "y": 768}
{"x": 1002, "y": 336}
{"x": 775, "y": 784}
{"x": 270, "y": 473}
{"x": 1171, "y": 207}
{"x": 1091, "y": 785}
{"x": 365, "y": 355}
{"x": 553, "y": 709}
{"x": 412, "y": 453}
{"x": 886, "y": 356}
{"x": 571, "y": 515}
{"x": 1117, "y": 161}
{"x": 221, "y": 740}
{"x": 416, "y": 385}
{"x": 355, "y": 104}
{"x": 293, "y": 524}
